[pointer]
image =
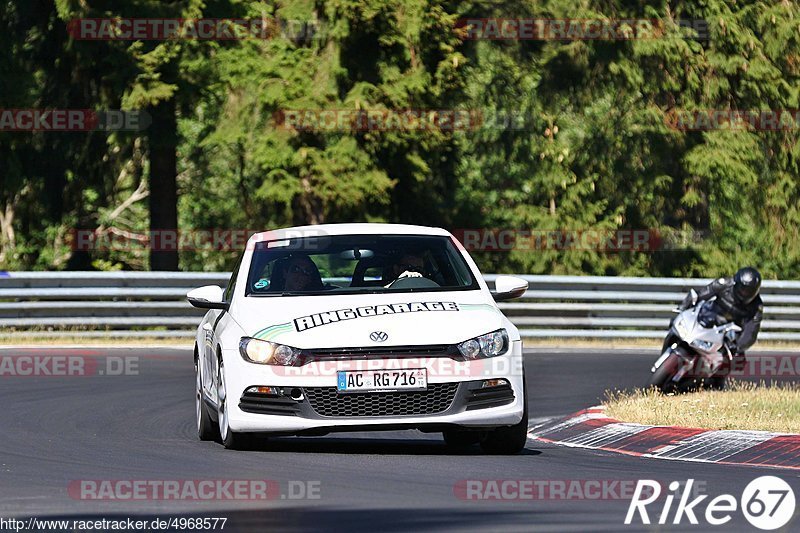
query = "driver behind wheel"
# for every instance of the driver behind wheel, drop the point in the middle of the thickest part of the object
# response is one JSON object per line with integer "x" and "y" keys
{"x": 300, "y": 273}
{"x": 407, "y": 265}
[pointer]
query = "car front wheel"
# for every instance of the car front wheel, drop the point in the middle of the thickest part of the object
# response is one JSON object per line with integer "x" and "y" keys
{"x": 511, "y": 439}
{"x": 205, "y": 426}
{"x": 230, "y": 439}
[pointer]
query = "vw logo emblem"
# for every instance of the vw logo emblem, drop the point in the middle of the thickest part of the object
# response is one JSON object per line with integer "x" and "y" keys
{"x": 378, "y": 336}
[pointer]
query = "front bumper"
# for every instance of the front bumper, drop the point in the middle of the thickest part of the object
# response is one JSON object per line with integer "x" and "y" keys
{"x": 308, "y": 401}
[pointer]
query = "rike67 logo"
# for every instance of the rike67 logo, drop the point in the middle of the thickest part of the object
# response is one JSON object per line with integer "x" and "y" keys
{"x": 767, "y": 502}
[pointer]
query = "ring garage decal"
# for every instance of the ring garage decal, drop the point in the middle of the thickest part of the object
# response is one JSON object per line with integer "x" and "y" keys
{"x": 304, "y": 323}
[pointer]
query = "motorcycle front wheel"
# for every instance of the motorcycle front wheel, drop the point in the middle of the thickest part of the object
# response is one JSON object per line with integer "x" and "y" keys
{"x": 662, "y": 377}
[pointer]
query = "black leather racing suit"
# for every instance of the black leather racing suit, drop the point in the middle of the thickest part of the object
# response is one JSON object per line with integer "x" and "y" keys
{"x": 747, "y": 316}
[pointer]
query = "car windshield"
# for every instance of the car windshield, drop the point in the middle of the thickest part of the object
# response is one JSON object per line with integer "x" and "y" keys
{"x": 343, "y": 264}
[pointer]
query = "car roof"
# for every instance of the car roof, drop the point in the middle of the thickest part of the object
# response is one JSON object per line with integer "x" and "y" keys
{"x": 347, "y": 229}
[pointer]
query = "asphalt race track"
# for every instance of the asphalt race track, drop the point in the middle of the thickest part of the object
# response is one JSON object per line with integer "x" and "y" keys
{"x": 57, "y": 431}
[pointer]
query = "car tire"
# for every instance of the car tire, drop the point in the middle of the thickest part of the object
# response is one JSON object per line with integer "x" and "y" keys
{"x": 457, "y": 439}
{"x": 232, "y": 440}
{"x": 508, "y": 440}
{"x": 206, "y": 429}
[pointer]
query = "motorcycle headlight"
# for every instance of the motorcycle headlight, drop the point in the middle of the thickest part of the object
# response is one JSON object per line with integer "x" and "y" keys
{"x": 489, "y": 345}
{"x": 680, "y": 327}
{"x": 267, "y": 353}
{"x": 703, "y": 345}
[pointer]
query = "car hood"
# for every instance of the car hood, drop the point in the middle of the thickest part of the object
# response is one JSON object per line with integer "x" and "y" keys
{"x": 349, "y": 320}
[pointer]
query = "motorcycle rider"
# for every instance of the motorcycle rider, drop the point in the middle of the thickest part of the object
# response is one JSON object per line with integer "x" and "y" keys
{"x": 738, "y": 301}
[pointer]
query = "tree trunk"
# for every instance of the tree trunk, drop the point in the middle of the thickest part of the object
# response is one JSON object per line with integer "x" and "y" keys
{"x": 7, "y": 236}
{"x": 163, "y": 136}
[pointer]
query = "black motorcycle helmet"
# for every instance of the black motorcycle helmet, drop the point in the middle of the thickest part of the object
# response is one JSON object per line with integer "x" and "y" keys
{"x": 746, "y": 284}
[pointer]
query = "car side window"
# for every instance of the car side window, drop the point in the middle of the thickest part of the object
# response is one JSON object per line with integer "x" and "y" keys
{"x": 232, "y": 281}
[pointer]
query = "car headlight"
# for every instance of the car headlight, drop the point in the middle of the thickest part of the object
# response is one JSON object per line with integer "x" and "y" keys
{"x": 703, "y": 345}
{"x": 267, "y": 353}
{"x": 489, "y": 345}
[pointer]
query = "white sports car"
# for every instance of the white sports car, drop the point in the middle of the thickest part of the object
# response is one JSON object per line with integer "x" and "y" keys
{"x": 351, "y": 327}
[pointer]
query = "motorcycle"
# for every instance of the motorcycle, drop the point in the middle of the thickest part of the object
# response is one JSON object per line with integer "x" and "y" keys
{"x": 699, "y": 355}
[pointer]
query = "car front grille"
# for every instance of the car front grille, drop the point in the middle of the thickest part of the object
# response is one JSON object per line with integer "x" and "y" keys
{"x": 327, "y": 401}
{"x": 308, "y": 355}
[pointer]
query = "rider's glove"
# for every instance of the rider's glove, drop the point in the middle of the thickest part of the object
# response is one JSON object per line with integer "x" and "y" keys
{"x": 686, "y": 303}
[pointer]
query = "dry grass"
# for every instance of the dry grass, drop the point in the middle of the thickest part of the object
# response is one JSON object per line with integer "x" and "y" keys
{"x": 646, "y": 344}
{"x": 746, "y": 406}
{"x": 589, "y": 342}
{"x": 78, "y": 340}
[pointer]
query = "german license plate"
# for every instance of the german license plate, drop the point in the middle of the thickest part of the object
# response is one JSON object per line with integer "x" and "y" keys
{"x": 413, "y": 379}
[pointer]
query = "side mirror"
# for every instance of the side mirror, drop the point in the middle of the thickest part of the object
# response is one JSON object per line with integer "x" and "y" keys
{"x": 208, "y": 297}
{"x": 693, "y": 296}
{"x": 508, "y": 288}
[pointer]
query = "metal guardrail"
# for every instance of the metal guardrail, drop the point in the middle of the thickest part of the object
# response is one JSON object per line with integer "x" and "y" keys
{"x": 153, "y": 304}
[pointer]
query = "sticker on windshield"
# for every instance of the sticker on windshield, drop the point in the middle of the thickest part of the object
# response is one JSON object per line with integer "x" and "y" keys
{"x": 320, "y": 319}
